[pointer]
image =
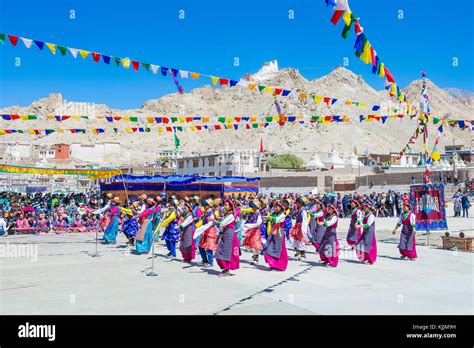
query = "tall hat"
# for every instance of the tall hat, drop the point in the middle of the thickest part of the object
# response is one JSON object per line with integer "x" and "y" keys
{"x": 277, "y": 202}
{"x": 208, "y": 202}
{"x": 217, "y": 202}
{"x": 196, "y": 199}
{"x": 356, "y": 202}
{"x": 230, "y": 203}
{"x": 255, "y": 203}
{"x": 331, "y": 206}
{"x": 109, "y": 195}
{"x": 303, "y": 200}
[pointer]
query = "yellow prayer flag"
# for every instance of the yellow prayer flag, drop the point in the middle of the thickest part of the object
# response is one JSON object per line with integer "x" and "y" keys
{"x": 366, "y": 56}
{"x": 160, "y": 130}
{"x": 230, "y": 119}
{"x": 84, "y": 53}
{"x": 195, "y": 75}
{"x": 126, "y": 63}
{"x": 24, "y": 117}
{"x": 303, "y": 95}
{"x": 269, "y": 89}
{"x": 346, "y": 119}
{"x": 382, "y": 70}
{"x": 347, "y": 17}
{"x": 362, "y": 104}
{"x": 348, "y": 102}
{"x": 251, "y": 86}
{"x": 318, "y": 98}
{"x": 192, "y": 128}
{"x": 2, "y": 132}
{"x": 253, "y": 119}
{"x": 52, "y": 47}
{"x": 182, "y": 119}
{"x": 205, "y": 119}
{"x": 436, "y": 156}
{"x": 150, "y": 120}
{"x": 214, "y": 80}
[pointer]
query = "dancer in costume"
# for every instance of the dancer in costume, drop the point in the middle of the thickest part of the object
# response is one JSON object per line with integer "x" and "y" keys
{"x": 287, "y": 203}
{"x": 170, "y": 223}
{"x": 187, "y": 228}
{"x": 228, "y": 250}
{"x": 251, "y": 230}
{"x": 366, "y": 247}
{"x": 354, "y": 232}
{"x": 318, "y": 213}
{"x": 208, "y": 233}
{"x": 407, "y": 245}
{"x": 275, "y": 254}
{"x": 144, "y": 237}
{"x": 329, "y": 248}
{"x": 130, "y": 227}
{"x": 299, "y": 232}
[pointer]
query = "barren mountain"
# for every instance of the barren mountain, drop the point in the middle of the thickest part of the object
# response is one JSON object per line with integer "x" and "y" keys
{"x": 240, "y": 101}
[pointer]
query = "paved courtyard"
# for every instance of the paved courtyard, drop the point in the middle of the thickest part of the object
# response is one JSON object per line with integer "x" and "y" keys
{"x": 59, "y": 276}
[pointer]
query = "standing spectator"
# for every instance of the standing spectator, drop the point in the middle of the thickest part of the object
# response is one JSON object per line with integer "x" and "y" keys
{"x": 457, "y": 204}
{"x": 466, "y": 204}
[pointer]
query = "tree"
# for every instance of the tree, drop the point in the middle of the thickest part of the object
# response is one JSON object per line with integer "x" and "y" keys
{"x": 285, "y": 160}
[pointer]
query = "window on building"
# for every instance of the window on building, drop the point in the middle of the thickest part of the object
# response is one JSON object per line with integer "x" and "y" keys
{"x": 195, "y": 163}
{"x": 181, "y": 165}
{"x": 211, "y": 173}
{"x": 228, "y": 172}
{"x": 212, "y": 161}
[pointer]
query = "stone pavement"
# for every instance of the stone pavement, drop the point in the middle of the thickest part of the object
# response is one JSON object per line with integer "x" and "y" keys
{"x": 59, "y": 276}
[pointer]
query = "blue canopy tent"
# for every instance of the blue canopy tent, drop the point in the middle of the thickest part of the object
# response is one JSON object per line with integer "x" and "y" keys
{"x": 180, "y": 185}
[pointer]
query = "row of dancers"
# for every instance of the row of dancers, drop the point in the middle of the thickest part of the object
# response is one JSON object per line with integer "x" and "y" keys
{"x": 219, "y": 228}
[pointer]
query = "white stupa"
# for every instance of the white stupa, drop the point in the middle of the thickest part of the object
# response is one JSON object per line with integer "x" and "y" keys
{"x": 315, "y": 163}
{"x": 267, "y": 71}
{"x": 335, "y": 161}
{"x": 352, "y": 161}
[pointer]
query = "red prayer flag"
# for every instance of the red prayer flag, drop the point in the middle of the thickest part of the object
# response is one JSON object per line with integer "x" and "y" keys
{"x": 327, "y": 100}
{"x": 166, "y": 120}
{"x": 223, "y": 81}
{"x": 278, "y": 91}
{"x": 357, "y": 27}
{"x": 13, "y": 39}
{"x": 135, "y": 65}
{"x": 261, "y": 144}
{"x": 96, "y": 57}
{"x": 388, "y": 75}
{"x": 169, "y": 129}
{"x": 15, "y": 117}
{"x": 336, "y": 16}
{"x": 372, "y": 55}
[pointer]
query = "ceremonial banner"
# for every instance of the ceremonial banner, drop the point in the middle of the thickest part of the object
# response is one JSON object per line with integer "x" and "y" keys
{"x": 428, "y": 205}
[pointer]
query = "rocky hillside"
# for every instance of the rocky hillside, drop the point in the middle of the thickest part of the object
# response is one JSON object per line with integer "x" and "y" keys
{"x": 301, "y": 139}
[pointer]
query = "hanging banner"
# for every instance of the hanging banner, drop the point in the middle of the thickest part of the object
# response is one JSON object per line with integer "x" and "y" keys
{"x": 428, "y": 205}
{"x": 93, "y": 173}
{"x": 184, "y": 74}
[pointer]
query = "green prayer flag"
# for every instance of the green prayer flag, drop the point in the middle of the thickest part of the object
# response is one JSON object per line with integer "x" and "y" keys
{"x": 62, "y": 49}
{"x": 436, "y": 120}
{"x": 176, "y": 141}
{"x": 146, "y": 66}
{"x": 261, "y": 88}
{"x": 269, "y": 118}
{"x": 221, "y": 119}
{"x": 133, "y": 119}
{"x": 254, "y": 125}
{"x": 174, "y": 119}
{"x": 346, "y": 31}
{"x": 2, "y": 38}
{"x": 116, "y": 60}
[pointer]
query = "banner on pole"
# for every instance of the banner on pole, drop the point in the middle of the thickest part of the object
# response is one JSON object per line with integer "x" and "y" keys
{"x": 428, "y": 205}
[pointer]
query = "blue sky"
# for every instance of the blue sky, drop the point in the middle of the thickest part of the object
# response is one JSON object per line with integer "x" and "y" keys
{"x": 213, "y": 32}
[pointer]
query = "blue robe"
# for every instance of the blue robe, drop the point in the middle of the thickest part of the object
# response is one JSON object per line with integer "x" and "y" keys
{"x": 110, "y": 233}
{"x": 144, "y": 246}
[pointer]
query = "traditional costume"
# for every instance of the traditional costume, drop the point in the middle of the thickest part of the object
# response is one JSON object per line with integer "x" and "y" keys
{"x": 171, "y": 233}
{"x": 317, "y": 233}
{"x": 130, "y": 228}
{"x": 353, "y": 234}
{"x": 275, "y": 254}
{"x": 407, "y": 245}
{"x": 252, "y": 235}
{"x": 228, "y": 249}
{"x": 329, "y": 247}
{"x": 299, "y": 232}
{"x": 366, "y": 247}
{"x": 186, "y": 243}
{"x": 208, "y": 234}
{"x": 144, "y": 237}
